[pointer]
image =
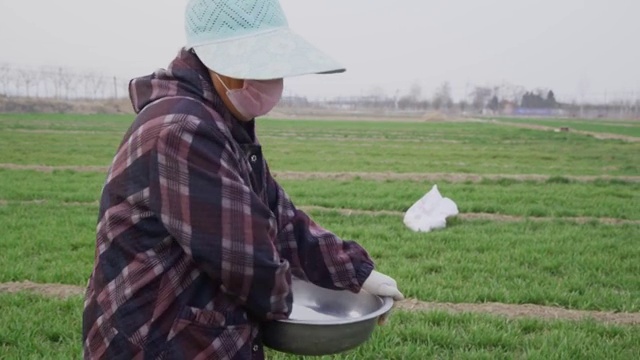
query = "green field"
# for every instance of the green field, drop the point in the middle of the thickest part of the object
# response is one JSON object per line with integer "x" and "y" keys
{"x": 571, "y": 240}
{"x": 620, "y": 127}
{"x": 345, "y": 146}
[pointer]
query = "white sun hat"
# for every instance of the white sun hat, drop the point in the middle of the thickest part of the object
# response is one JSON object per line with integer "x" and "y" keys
{"x": 251, "y": 39}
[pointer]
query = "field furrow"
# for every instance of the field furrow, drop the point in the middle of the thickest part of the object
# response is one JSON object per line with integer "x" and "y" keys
{"x": 377, "y": 176}
{"x": 511, "y": 311}
{"x": 350, "y": 212}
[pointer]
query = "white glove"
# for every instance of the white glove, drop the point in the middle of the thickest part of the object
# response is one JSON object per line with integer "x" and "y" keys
{"x": 382, "y": 285}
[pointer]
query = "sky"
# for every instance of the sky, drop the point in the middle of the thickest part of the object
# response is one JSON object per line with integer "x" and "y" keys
{"x": 578, "y": 48}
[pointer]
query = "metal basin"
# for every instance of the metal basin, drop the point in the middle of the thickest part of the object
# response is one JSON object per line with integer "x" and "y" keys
{"x": 325, "y": 322}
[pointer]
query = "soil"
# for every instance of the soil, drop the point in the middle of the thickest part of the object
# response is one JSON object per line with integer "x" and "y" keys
{"x": 43, "y": 202}
{"x": 51, "y": 131}
{"x": 508, "y": 310}
{"x": 53, "y": 290}
{"x": 350, "y": 212}
{"x": 46, "y": 168}
{"x": 523, "y": 311}
{"x": 347, "y": 176}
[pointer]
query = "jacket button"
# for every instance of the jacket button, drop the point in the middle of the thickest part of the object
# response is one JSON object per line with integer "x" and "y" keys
{"x": 253, "y": 158}
{"x": 255, "y": 348}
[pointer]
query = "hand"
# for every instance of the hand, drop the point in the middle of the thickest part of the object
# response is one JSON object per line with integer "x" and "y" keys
{"x": 382, "y": 285}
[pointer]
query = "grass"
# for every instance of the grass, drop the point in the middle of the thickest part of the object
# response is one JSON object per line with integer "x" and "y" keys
{"x": 441, "y": 147}
{"x": 65, "y": 122}
{"x": 59, "y": 185}
{"x": 57, "y": 149}
{"x": 591, "y": 267}
{"x": 600, "y": 199}
{"x": 553, "y": 198}
{"x": 588, "y": 267}
{"x": 437, "y": 335}
{"x": 627, "y": 128}
{"x": 47, "y": 243}
{"x": 357, "y": 146}
{"x": 555, "y": 262}
{"x": 37, "y": 328}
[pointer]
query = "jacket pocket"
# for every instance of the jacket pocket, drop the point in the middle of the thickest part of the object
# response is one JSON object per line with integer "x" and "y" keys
{"x": 120, "y": 348}
{"x": 222, "y": 336}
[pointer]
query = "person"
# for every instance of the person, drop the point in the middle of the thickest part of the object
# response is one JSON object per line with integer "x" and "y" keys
{"x": 196, "y": 241}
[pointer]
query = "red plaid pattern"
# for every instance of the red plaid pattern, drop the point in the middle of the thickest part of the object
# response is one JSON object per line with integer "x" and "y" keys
{"x": 196, "y": 241}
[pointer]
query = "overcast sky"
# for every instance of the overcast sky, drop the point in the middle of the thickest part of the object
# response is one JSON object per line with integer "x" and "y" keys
{"x": 571, "y": 46}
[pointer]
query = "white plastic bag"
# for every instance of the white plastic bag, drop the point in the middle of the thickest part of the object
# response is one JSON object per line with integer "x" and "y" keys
{"x": 430, "y": 212}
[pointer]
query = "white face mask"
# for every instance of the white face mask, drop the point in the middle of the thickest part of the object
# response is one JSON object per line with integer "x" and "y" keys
{"x": 256, "y": 98}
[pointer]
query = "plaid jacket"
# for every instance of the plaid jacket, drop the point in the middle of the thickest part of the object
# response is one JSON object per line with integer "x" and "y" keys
{"x": 196, "y": 242}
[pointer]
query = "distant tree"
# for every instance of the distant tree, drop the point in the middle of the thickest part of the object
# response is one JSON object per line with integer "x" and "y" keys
{"x": 66, "y": 80}
{"x": 423, "y": 104}
{"x": 96, "y": 84}
{"x": 415, "y": 91}
{"x": 480, "y": 97}
{"x": 442, "y": 97}
{"x": 525, "y": 100}
{"x": 494, "y": 104}
{"x": 44, "y": 76}
{"x": 551, "y": 99}
{"x": 28, "y": 78}
{"x": 510, "y": 92}
{"x": 406, "y": 102}
{"x": 56, "y": 78}
{"x": 376, "y": 97}
{"x": 5, "y": 78}
{"x": 463, "y": 105}
{"x": 376, "y": 92}
{"x": 532, "y": 100}
{"x": 411, "y": 100}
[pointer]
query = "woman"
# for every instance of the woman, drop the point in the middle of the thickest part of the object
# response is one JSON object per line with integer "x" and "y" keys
{"x": 196, "y": 241}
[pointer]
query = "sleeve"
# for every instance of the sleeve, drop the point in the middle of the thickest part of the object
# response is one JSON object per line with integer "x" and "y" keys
{"x": 205, "y": 205}
{"x": 322, "y": 257}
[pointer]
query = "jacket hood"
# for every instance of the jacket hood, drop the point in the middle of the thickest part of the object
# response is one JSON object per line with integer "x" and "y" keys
{"x": 185, "y": 76}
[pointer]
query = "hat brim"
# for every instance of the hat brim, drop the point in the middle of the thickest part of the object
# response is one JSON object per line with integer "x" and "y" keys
{"x": 275, "y": 54}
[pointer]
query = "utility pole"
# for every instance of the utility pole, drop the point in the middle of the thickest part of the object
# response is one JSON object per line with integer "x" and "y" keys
{"x": 115, "y": 87}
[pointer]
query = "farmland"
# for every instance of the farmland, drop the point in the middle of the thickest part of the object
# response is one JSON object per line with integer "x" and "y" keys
{"x": 549, "y": 224}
